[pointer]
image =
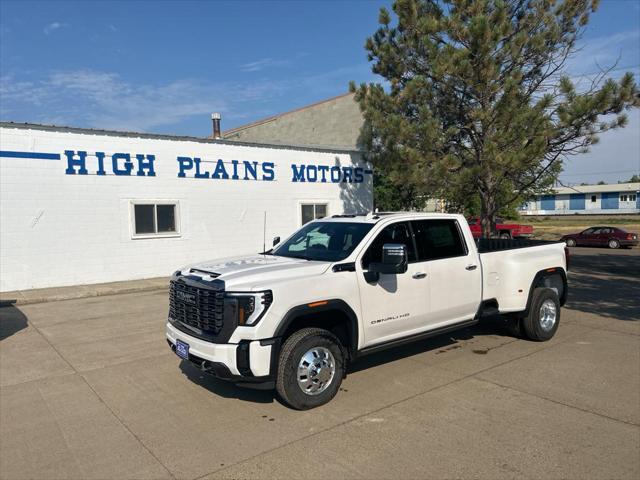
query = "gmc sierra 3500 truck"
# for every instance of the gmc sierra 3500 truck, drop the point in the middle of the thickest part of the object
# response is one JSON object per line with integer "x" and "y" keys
{"x": 294, "y": 317}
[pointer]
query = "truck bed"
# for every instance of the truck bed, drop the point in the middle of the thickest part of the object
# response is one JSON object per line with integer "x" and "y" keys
{"x": 486, "y": 245}
{"x": 510, "y": 266}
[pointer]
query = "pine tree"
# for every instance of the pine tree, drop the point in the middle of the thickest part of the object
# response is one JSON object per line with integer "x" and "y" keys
{"x": 477, "y": 101}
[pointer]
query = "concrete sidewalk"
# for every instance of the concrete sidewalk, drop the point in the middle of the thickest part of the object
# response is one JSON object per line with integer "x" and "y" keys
{"x": 40, "y": 295}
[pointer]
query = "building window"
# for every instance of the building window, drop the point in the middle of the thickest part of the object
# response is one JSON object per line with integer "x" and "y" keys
{"x": 313, "y": 211}
{"x": 593, "y": 199}
{"x": 155, "y": 219}
{"x": 631, "y": 197}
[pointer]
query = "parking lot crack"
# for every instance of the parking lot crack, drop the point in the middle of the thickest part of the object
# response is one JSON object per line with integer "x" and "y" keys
{"x": 558, "y": 402}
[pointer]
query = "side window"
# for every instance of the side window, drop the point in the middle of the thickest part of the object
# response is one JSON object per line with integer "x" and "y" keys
{"x": 593, "y": 199}
{"x": 154, "y": 219}
{"x": 588, "y": 231}
{"x": 438, "y": 239}
{"x": 396, "y": 233}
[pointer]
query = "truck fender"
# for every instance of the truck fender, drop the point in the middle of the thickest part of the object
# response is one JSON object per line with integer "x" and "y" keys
{"x": 323, "y": 306}
{"x": 538, "y": 280}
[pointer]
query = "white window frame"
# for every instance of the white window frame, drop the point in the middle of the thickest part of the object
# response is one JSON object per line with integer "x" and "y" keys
{"x": 314, "y": 203}
{"x": 132, "y": 219}
{"x": 628, "y": 198}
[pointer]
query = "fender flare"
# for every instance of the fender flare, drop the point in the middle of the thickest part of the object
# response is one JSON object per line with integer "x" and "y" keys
{"x": 546, "y": 273}
{"x": 331, "y": 305}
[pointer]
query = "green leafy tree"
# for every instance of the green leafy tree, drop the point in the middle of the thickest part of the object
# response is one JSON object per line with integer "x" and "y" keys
{"x": 634, "y": 179}
{"x": 476, "y": 102}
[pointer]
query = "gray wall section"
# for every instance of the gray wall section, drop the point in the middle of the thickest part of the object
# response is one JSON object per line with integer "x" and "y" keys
{"x": 335, "y": 122}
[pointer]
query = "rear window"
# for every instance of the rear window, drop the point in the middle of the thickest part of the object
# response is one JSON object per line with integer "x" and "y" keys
{"x": 438, "y": 239}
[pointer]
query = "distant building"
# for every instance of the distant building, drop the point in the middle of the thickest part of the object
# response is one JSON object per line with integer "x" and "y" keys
{"x": 335, "y": 122}
{"x": 617, "y": 198}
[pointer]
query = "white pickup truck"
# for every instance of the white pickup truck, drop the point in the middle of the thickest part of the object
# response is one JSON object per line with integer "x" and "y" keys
{"x": 294, "y": 317}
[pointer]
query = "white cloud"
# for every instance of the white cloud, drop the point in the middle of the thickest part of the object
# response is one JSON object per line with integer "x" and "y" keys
{"x": 263, "y": 63}
{"x": 53, "y": 27}
{"x": 105, "y": 100}
{"x": 599, "y": 53}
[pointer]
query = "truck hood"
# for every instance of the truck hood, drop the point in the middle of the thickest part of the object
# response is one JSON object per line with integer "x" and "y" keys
{"x": 255, "y": 271}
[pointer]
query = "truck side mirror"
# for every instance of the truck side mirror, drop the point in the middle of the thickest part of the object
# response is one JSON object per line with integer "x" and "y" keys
{"x": 394, "y": 260}
{"x": 276, "y": 240}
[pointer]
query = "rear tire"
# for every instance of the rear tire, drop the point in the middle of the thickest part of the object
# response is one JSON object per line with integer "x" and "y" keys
{"x": 311, "y": 368}
{"x": 505, "y": 235}
{"x": 541, "y": 322}
{"x": 570, "y": 242}
{"x": 613, "y": 243}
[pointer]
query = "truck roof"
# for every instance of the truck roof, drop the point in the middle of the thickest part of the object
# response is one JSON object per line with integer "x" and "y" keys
{"x": 374, "y": 217}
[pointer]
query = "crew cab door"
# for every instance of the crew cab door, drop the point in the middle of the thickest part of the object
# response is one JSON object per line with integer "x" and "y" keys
{"x": 395, "y": 304}
{"x": 453, "y": 267}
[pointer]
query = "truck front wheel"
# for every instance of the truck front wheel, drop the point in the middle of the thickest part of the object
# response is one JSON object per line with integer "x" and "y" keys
{"x": 310, "y": 369}
{"x": 543, "y": 317}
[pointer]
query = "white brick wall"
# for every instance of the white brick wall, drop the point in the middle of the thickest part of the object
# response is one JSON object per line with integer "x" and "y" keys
{"x": 58, "y": 229}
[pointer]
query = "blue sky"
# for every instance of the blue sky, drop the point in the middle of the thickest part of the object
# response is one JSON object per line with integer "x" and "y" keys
{"x": 164, "y": 66}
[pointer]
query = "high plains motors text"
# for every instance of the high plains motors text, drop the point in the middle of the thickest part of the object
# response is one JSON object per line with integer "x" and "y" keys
{"x": 143, "y": 165}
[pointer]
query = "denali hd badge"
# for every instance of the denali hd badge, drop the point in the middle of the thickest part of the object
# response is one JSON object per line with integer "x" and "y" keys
{"x": 185, "y": 297}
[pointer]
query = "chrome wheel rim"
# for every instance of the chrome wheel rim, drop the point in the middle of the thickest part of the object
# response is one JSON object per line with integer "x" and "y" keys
{"x": 571, "y": 243}
{"x": 548, "y": 315}
{"x": 316, "y": 370}
{"x": 613, "y": 243}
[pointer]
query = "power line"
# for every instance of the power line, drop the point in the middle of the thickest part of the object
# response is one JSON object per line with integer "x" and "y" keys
{"x": 599, "y": 173}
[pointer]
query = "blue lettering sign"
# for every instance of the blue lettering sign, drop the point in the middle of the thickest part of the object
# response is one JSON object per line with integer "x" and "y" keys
{"x": 298, "y": 174}
{"x": 220, "y": 171}
{"x": 184, "y": 163}
{"x": 268, "y": 173}
{"x": 128, "y": 166}
{"x": 72, "y": 162}
{"x": 198, "y": 173}
{"x": 145, "y": 162}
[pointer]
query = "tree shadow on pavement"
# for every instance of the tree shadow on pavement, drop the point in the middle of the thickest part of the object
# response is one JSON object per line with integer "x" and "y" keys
{"x": 12, "y": 320}
{"x": 606, "y": 285}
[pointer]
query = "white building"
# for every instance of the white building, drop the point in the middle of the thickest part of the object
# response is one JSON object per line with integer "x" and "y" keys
{"x": 84, "y": 206}
{"x": 612, "y": 199}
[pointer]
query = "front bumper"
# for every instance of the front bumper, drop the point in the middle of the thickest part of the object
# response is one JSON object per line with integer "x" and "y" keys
{"x": 247, "y": 362}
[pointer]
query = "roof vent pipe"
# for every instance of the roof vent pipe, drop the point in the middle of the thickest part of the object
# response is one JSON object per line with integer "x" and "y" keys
{"x": 215, "y": 118}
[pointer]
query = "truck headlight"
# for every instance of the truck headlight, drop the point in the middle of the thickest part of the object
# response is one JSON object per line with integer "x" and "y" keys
{"x": 247, "y": 308}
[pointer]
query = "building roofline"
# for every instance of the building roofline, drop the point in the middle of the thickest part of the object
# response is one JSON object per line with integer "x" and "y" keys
{"x": 606, "y": 188}
{"x": 184, "y": 138}
{"x": 275, "y": 117}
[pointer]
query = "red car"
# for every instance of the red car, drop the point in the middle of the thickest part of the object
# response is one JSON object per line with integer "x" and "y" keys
{"x": 504, "y": 230}
{"x": 611, "y": 237}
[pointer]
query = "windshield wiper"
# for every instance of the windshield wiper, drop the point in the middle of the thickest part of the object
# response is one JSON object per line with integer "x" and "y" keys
{"x": 301, "y": 257}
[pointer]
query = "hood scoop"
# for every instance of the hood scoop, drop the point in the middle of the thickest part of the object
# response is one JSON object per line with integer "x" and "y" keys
{"x": 204, "y": 272}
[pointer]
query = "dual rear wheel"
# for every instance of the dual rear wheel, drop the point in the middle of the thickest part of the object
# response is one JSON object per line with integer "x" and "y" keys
{"x": 541, "y": 321}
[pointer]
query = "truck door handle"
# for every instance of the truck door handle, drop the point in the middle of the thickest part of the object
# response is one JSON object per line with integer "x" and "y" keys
{"x": 419, "y": 275}
{"x": 471, "y": 267}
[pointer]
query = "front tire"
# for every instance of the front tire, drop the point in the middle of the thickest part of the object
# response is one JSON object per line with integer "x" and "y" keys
{"x": 311, "y": 368}
{"x": 571, "y": 242}
{"x": 543, "y": 318}
{"x": 613, "y": 243}
{"x": 505, "y": 235}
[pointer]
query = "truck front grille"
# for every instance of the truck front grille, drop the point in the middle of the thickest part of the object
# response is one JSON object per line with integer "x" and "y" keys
{"x": 197, "y": 307}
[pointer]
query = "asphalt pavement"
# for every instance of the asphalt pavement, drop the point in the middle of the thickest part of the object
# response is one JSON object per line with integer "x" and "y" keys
{"x": 90, "y": 390}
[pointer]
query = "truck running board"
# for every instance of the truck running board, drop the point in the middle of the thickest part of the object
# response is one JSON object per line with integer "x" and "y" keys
{"x": 414, "y": 338}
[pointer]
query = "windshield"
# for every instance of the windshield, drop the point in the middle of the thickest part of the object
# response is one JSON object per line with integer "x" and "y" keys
{"x": 324, "y": 241}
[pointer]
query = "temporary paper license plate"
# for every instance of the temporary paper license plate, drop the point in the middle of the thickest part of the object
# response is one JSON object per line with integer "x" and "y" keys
{"x": 182, "y": 349}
